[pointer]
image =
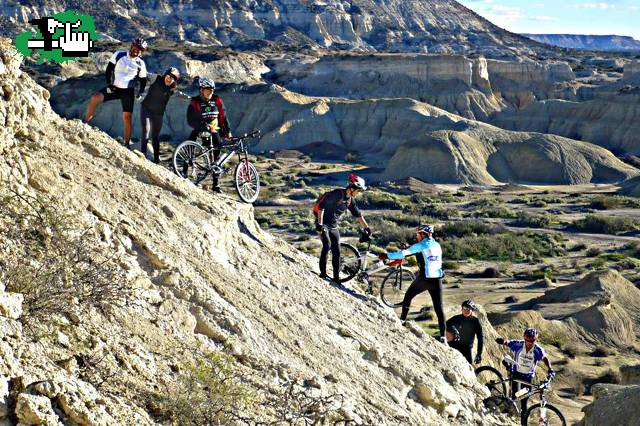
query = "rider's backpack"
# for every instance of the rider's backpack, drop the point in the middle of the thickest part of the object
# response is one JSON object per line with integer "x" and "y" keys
{"x": 316, "y": 205}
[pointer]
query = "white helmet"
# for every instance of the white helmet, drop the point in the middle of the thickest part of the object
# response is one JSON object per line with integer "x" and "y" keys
{"x": 354, "y": 181}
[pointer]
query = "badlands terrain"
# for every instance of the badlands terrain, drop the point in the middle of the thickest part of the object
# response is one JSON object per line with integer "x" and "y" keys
{"x": 524, "y": 155}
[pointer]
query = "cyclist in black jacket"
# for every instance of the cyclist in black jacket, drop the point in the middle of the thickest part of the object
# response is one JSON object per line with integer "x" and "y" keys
{"x": 469, "y": 327}
{"x": 206, "y": 113}
{"x": 328, "y": 210}
{"x": 153, "y": 107}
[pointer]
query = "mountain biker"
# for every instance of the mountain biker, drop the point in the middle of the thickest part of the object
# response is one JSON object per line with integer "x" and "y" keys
{"x": 526, "y": 354}
{"x": 330, "y": 206}
{"x": 469, "y": 327}
{"x": 430, "y": 277}
{"x": 206, "y": 114}
{"x": 153, "y": 107}
{"x": 124, "y": 70}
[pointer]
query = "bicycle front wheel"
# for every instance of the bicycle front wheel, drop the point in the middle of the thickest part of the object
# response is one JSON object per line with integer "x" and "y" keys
{"x": 547, "y": 416}
{"x": 395, "y": 285}
{"x": 492, "y": 379}
{"x": 247, "y": 181}
{"x": 350, "y": 262}
{"x": 190, "y": 161}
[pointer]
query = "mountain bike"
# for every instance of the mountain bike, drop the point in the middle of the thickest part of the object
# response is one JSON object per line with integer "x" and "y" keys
{"x": 193, "y": 160}
{"x": 355, "y": 264}
{"x": 540, "y": 414}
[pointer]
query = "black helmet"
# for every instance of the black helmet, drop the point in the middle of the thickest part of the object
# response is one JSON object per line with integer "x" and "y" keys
{"x": 470, "y": 304}
{"x": 140, "y": 43}
{"x": 531, "y": 333}
{"x": 426, "y": 229}
{"x": 454, "y": 331}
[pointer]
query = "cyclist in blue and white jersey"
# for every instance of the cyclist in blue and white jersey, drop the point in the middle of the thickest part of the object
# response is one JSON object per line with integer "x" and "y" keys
{"x": 429, "y": 256}
{"x": 526, "y": 354}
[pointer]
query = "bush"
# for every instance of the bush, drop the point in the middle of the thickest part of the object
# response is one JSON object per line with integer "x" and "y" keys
{"x": 380, "y": 200}
{"x": 465, "y": 228}
{"x": 593, "y": 251}
{"x": 533, "y": 220}
{"x": 606, "y": 224}
{"x": 55, "y": 261}
{"x": 603, "y": 352}
{"x": 508, "y": 246}
{"x": 606, "y": 203}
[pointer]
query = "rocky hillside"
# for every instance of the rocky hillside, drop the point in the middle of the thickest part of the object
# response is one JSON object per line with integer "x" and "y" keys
{"x": 201, "y": 274}
{"x": 438, "y": 26}
{"x": 589, "y": 42}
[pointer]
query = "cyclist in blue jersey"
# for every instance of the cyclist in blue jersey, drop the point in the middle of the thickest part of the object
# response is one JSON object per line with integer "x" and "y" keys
{"x": 526, "y": 354}
{"x": 429, "y": 255}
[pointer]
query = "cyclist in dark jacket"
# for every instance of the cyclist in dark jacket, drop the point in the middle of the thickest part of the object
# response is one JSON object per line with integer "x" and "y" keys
{"x": 206, "y": 114}
{"x": 153, "y": 107}
{"x": 469, "y": 328}
{"x": 329, "y": 209}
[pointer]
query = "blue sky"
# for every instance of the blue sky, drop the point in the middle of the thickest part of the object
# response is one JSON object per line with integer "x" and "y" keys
{"x": 620, "y": 17}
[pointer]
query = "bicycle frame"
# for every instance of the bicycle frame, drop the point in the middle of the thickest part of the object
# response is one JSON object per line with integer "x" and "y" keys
{"x": 238, "y": 148}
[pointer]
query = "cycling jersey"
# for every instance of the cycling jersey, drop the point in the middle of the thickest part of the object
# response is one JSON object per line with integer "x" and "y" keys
{"x": 123, "y": 70}
{"x": 469, "y": 328}
{"x": 430, "y": 259}
{"x": 203, "y": 113}
{"x": 334, "y": 204}
{"x": 525, "y": 362}
{"x": 158, "y": 96}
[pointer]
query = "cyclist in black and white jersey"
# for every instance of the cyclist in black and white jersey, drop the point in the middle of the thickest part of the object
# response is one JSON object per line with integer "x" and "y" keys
{"x": 124, "y": 71}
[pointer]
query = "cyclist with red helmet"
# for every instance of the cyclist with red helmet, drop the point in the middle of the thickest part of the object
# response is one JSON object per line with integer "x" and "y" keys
{"x": 327, "y": 210}
{"x": 429, "y": 255}
{"x": 124, "y": 71}
{"x": 527, "y": 354}
{"x": 153, "y": 108}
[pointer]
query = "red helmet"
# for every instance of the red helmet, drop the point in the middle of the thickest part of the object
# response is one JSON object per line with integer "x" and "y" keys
{"x": 355, "y": 181}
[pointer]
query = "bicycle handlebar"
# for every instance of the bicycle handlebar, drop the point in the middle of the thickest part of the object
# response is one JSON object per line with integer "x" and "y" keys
{"x": 249, "y": 135}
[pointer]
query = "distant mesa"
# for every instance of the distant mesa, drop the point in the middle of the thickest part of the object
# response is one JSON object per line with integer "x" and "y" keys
{"x": 587, "y": 42}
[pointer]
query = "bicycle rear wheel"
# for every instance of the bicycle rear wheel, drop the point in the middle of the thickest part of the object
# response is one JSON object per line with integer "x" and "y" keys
{"x": 547, "y": 416}
{"x": 247, "y": 181}
{"x": 350, "y": 262}
{"x": 492, "y": 379}
{"x": 190, "y": 161}
{"x": 395, "y": 285}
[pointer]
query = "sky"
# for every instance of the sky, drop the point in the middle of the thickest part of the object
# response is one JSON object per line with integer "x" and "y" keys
{"x": 619, "y": 17}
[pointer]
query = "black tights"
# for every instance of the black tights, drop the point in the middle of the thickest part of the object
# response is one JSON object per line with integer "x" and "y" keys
{"x": 150, "y": 122}
{"x": 330, "y": 240}
{"x": 434, "y": 287}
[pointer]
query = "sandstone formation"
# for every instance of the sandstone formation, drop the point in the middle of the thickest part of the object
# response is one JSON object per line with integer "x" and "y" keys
{"x": 631, "y": 187}
{"x": 613, "y": 405}
{"x": 400, "y": 135}
{"x": 437, "y": 26}
{"x": 202, "y": 271}
{"x": 604, "y": 306}
{"x": 609, "y": 121}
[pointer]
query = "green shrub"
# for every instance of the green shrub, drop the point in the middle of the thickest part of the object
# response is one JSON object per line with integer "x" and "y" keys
{"x": 533, "y": 220}
{"x": 593, "y": 251}
{"x": 57, "y": 262}
{"x": 465, "y": 228}
{"x": 606, "y": 203}
{"x": 508, "y": 246}
{"x": 380, "y": 200}
{"x": 606, "y": 224}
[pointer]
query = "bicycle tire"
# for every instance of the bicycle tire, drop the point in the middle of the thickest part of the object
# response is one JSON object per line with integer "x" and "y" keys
{"x": 350, "y": 263}
{"x": 487, "y": 376}
{"x": 395, "y": 285}
{"x": 247, "y": 182}
{"x": 536, "y": 420}
{"x": 191, "y": 162}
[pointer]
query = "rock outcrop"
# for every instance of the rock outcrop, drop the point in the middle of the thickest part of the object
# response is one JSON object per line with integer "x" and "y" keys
{"x": 202, "y": 272}
{"x": 606, "y": 307}
{"x": 613, "y": 405}
{"x": 473, "y": 88}
{"x": 437, "y": 26}
{"x": 631, "y": 187}
{"x": 609, "y": 121}
{"x": 588, "y": 42}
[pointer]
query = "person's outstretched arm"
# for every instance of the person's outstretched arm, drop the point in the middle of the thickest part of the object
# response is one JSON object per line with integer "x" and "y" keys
{"x": 416, "y": 248}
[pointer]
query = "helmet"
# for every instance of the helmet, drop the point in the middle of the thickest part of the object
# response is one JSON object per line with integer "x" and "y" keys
{"x": 173, "y": 72}
{"x": 140, "y": 43}
{"x": 206, "y": 83}
{"x": 532, "y": 333}
{"x": 425, "y": 229}
{"x": 454, "y": 332}
{"x": 356, "y": 182}
{"x": 470, "y": 304}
